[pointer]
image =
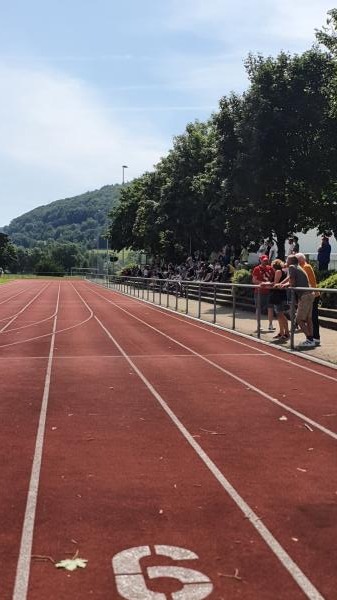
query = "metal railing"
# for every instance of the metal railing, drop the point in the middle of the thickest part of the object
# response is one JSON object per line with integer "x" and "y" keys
{"x": 189, "y": 297}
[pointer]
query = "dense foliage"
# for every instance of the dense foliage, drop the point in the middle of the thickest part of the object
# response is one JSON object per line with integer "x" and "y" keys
{"x": 7, "y": 252}
{"x": 81, "y": 220}
{"x": 329, "y": 299}
{"x": 264, "y": 165}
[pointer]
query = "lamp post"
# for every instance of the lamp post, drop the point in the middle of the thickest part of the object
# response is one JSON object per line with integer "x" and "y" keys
{"x": 123, "y": 169}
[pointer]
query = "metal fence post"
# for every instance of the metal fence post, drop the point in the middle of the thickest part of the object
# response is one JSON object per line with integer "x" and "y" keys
{"x": 292, "y": 318}
{"x": 199, "y": 301}
{"x": 258, "y": 312}
{"x": 234, "y": 306}
{"x": 214, "y": 305}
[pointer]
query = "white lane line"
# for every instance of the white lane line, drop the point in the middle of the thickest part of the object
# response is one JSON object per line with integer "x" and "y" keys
{"x": 45, "y": 335}
{"x": 11, "y": 298}
{"x": 293, "y": 569}
{"x": 32, "y": 324}
{"x": 8, "y": 300}
{"x": 244, "y": 382}
{"x": 25, "y": 553}
{"x": 188, "y": 319}
{"x": 140, "y": 356}
{"x": 24, "y": 308}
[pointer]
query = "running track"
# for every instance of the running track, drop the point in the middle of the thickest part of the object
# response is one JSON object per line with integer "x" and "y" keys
{"x": 180, "y": 460}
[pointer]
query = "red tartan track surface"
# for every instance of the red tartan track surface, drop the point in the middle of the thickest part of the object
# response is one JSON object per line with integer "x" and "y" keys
{"x": 180, "y": 461}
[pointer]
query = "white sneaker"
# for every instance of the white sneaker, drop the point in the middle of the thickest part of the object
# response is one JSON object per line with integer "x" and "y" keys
{"x": 307, "y": 344}
{"x": 271, "y": 328}
{"x": 317, "y": 342}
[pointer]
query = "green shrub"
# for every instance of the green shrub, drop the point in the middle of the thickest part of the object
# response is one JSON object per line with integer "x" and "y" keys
{"x": 243, "y": 276}
{"x": 323, "y": 275}
{"x": 329, "y": 299}
{"x": 49, "y": 267}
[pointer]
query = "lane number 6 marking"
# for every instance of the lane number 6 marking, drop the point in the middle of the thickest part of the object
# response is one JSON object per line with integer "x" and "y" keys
{"x": 131, "y": 583}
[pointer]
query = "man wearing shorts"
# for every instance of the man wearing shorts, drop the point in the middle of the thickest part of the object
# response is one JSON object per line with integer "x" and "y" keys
{"x": 298, "y": 278}
{"x": 263, "y": 276}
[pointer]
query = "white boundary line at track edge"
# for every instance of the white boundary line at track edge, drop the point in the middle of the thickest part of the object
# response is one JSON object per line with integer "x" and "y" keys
{"x": 292, "y": 568}
{"x": 244, "y": 382}
{"x": 24, "y": 560}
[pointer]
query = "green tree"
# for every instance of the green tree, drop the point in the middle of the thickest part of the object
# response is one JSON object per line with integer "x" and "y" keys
{"x": 288, "y": 140}
{"x": 66, "y": 255}
{"x": 183, "y": 204}
{"x": 7, "y": 252}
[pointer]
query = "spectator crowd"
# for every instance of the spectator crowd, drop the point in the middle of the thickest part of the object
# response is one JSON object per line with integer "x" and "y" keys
{"x": 271, "y": 276}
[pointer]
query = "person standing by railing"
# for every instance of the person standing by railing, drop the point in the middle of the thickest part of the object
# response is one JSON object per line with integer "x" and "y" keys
{"x": 263, "y": 276}
{"x": 298, "y": 278}
{"x": 323, "y": 254}
{"x": 302, "y": 261}
{"x": 279, "y": 299}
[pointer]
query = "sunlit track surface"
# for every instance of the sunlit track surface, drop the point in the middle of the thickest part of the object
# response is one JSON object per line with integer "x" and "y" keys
{"x": 23, "y": 309}
{"x": 137, "y": 434}
{"x": 31, "y": 324}
{"x": 14, "y": 302}
{"x": 35, "y": 338}
{"x": 4, "y": 301}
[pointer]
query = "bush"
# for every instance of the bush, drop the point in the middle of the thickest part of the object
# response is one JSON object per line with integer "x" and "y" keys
{"x": 49, "y": 267}
{"x": 329, "y": 299}
{"x": 243, "y": 276}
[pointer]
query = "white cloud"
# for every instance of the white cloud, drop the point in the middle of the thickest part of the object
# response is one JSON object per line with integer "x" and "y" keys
{"x": 207, "y": 78}
{"x": 239, "y": 23}
{"x": 298, "y": 20}
{"x": 55, "y": 122}
{"x": 56, "y": 128}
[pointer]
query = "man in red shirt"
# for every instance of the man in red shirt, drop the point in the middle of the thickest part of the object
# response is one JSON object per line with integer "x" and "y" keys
{"x": 263, "y": 276}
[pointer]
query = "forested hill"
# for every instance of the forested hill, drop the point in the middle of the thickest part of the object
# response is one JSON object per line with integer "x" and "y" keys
{"x": 81, "y": 220}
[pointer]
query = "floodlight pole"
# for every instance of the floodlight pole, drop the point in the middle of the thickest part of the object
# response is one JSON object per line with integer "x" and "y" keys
{"x": 123, "y": 169}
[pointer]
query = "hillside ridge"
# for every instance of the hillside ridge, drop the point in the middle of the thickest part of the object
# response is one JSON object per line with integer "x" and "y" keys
{"x": 80, "y": 219}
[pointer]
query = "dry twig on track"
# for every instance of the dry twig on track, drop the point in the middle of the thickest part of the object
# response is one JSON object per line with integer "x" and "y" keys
{"x": 43, "y": 558}
{"x": 211, "y": 432}
{"x": 235, "y": 576}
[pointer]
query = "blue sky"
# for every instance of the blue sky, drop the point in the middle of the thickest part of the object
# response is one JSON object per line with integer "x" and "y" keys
{"x": 86, "y": 86}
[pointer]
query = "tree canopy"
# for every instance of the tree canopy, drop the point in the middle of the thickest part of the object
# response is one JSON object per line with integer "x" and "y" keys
{"x": 264, "y": 164}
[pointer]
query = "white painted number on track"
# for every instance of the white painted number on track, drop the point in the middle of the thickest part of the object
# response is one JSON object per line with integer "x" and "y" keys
{"x": 131, "y": 583}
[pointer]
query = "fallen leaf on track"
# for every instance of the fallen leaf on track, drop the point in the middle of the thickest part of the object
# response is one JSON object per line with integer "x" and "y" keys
{"x": 71, "y": 564}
